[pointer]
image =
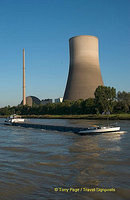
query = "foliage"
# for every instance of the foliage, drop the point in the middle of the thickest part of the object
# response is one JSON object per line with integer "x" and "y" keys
{"x": 123, "y": 102}
{"x": 89, "y": 106}
{"x": 124, "y": 97}
{"x": 105, "y": 100}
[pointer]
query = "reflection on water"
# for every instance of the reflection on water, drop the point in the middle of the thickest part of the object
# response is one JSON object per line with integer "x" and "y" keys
{"x": 34, "y": 162}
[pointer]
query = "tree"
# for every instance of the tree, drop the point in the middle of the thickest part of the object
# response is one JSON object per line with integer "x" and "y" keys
{"x": 121, "y": 107}
{"x": 124, "y": 97}
{"x": 123, "y": 101}
{"x": 76, "y": 107}
{"x": 105, "y": 98}
{"x": 88, "y": 106}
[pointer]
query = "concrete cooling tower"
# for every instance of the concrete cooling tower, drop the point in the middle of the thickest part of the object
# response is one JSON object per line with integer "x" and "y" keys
{"x": 84, "y": 70}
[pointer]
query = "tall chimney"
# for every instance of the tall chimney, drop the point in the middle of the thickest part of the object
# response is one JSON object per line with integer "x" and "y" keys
{"x": 24, "y": 96}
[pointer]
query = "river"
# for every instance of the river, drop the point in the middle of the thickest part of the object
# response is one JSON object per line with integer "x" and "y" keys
{"x": 39, "y": 164}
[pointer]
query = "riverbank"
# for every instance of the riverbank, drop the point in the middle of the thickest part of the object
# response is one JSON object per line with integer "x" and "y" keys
{"x": 92, "y": 117}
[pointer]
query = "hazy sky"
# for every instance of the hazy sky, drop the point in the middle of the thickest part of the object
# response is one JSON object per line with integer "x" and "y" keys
{"x": 43, "y": 28}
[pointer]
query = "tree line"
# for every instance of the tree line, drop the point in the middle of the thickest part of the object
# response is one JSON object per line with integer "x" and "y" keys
{"x": 106, "y": 101}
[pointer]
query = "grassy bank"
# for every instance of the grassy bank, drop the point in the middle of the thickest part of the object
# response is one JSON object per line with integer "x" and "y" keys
{"x": 90, "y": 116}
{"x": 112, "y": 117}
{"x": 94, "y": 116}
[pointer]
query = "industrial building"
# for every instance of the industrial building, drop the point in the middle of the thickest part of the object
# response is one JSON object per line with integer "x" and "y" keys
{"x": 32, "y": 100}
{"x": 59, "y": 100}
{"x": 46, "y": 101}
{"x": 84, "y": 70}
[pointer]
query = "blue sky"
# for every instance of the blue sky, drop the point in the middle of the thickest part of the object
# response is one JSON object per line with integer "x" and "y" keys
{"x": 43, "y": 28}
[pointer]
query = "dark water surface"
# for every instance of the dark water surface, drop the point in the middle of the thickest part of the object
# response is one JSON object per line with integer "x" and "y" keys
{"x": 34, "y": 163}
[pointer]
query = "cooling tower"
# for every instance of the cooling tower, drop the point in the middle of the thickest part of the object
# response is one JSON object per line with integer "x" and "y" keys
{"x": 84, "y": 70}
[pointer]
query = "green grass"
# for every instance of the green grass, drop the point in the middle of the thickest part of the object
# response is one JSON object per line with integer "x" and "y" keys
{"x": 90, "y": 116}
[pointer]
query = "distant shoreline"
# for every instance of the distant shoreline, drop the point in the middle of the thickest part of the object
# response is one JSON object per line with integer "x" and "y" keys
{"x": 90, "y": 116}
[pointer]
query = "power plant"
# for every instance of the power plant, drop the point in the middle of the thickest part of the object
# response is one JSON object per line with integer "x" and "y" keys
{"x": 84, "y": 70}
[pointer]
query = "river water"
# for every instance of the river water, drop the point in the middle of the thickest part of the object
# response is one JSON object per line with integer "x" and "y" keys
{"x": 38, "y": 164}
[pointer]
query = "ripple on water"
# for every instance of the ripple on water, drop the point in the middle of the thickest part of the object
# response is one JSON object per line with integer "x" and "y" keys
{"x": 33, "y": 162}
